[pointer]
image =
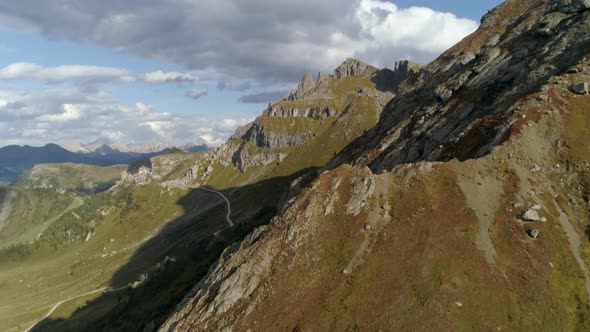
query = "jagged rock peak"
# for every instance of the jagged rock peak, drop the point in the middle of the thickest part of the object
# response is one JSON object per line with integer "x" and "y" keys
{"x": 406, "y": 66}
{"x": 353, "y": 67}
{"x": 320, "y": 77}
{"x": 307, "y": 84}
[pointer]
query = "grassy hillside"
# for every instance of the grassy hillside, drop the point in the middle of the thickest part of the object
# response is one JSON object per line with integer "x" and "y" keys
{"x": 33, "y": 211}
{"x": 71, "y": 177}
{"x": 132, "y": 228}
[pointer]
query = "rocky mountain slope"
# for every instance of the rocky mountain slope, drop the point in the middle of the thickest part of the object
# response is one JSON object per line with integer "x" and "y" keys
{"x": 467, "y": 207}
{"x": 164, "y": 223}
{"x": 355, "y": 90}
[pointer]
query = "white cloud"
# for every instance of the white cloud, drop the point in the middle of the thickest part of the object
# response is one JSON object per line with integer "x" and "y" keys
{"x": 36, "y": 72}
{"x": 70, "y": 112}
{"x": 268, "y": 41}
{"x": 159, "y": 77}
{"x": 237, "y": 44}
{"x": 31, "y": 71}
{"x": 64, "y": 115}
{"x": 417, "y": 30}
{"x": 196, "y": 93}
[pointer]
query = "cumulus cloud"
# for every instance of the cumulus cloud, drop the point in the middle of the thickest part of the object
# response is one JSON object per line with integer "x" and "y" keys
{"x": 269, "y": 41}
{"x": 31, "y": 71}
{"x": 70, "y": 112}
{"x": 62, "y": 115}
{"x": 159, "y": 77}
{"x": 36, "y": 72}
{"x": 196, "y": 93}
{"x": 257, "y": 46}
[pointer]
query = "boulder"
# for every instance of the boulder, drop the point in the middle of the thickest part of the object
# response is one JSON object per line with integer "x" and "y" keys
{"x": 534, "y": 233}
{"x": 580, "y": 88}
{"x": 530, "y": 215}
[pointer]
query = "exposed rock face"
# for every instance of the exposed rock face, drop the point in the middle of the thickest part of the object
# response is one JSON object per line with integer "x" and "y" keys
{"x": 531, "y": 215}
{"x": 312, "y": 100}
{"x": 241, "y": 131}
{"x": 209, "y": 304}
{"x": 260, "y": 137}
{"x": 480, "y": 92}
{"x": 244, "y": 159}
{"x": 307, "y": 83}
{"x": 463, "y": 105}
{"x": 572, "y": 6}
{"x": 362, "y": 188}
{"x": 353, "y": 67}
{"x": 315, "y": 112}
{"x": 580, "y": 88}
{"x": 142, "y": 176}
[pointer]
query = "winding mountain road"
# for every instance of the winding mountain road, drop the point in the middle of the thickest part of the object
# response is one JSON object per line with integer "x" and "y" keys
{"x": 228, "y": 215}
{"x": 110, "y": 289}
{"x": 103, "y": 290}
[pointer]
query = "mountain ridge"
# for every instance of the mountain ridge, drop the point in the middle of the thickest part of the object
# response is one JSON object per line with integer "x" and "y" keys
{"x": 420, "y": 223}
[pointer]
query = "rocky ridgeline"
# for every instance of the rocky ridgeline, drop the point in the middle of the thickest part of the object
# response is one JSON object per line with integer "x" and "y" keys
{"x": 312, "y": 99}
{"x": 477, "y": 95}
{"x": 464, "y": 103}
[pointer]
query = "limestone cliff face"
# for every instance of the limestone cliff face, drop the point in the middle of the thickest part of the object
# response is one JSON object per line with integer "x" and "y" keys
{"x": 353, "y": 67}
{"x": 259, "y": 136}
{"x": 315, "y": 112}
{"x": 307, "y": 83}
{"x": 419, "y": 223}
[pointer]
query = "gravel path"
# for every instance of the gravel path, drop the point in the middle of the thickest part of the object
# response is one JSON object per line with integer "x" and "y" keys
{"x": 101, "y": 290}
{"x": 228, "y": 215}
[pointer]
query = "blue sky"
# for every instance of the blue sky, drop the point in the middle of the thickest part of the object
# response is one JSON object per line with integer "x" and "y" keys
{"x": 84, "y": 72}
{"x": 464, "y": 8}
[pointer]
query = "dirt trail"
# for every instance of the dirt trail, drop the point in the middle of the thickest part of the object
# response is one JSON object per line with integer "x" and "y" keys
{"x": 6, "y": 206}
{"x": 228, "y": 215}
{"x": 101, "y": 290}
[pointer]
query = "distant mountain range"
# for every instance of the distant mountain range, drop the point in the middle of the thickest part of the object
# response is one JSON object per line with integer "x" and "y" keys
{"x": 15, "y": 160}
{"x": 102, "y": 148}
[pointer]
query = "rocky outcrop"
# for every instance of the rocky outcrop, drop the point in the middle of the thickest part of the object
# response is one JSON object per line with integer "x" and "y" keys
{"x": 307, "y": 84}
{"x": 261, "y": 137}
{"x": 353, "y": 67}
{"x": 243, "y": 158}
{"x": 143, "y": 175}
{"x": 479, "y": 82}
{"x": 574, "y": 6}
{"x": 241, "y": 131}
{"x": 317, "y": 112}
{"x": 580, "y": 88}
